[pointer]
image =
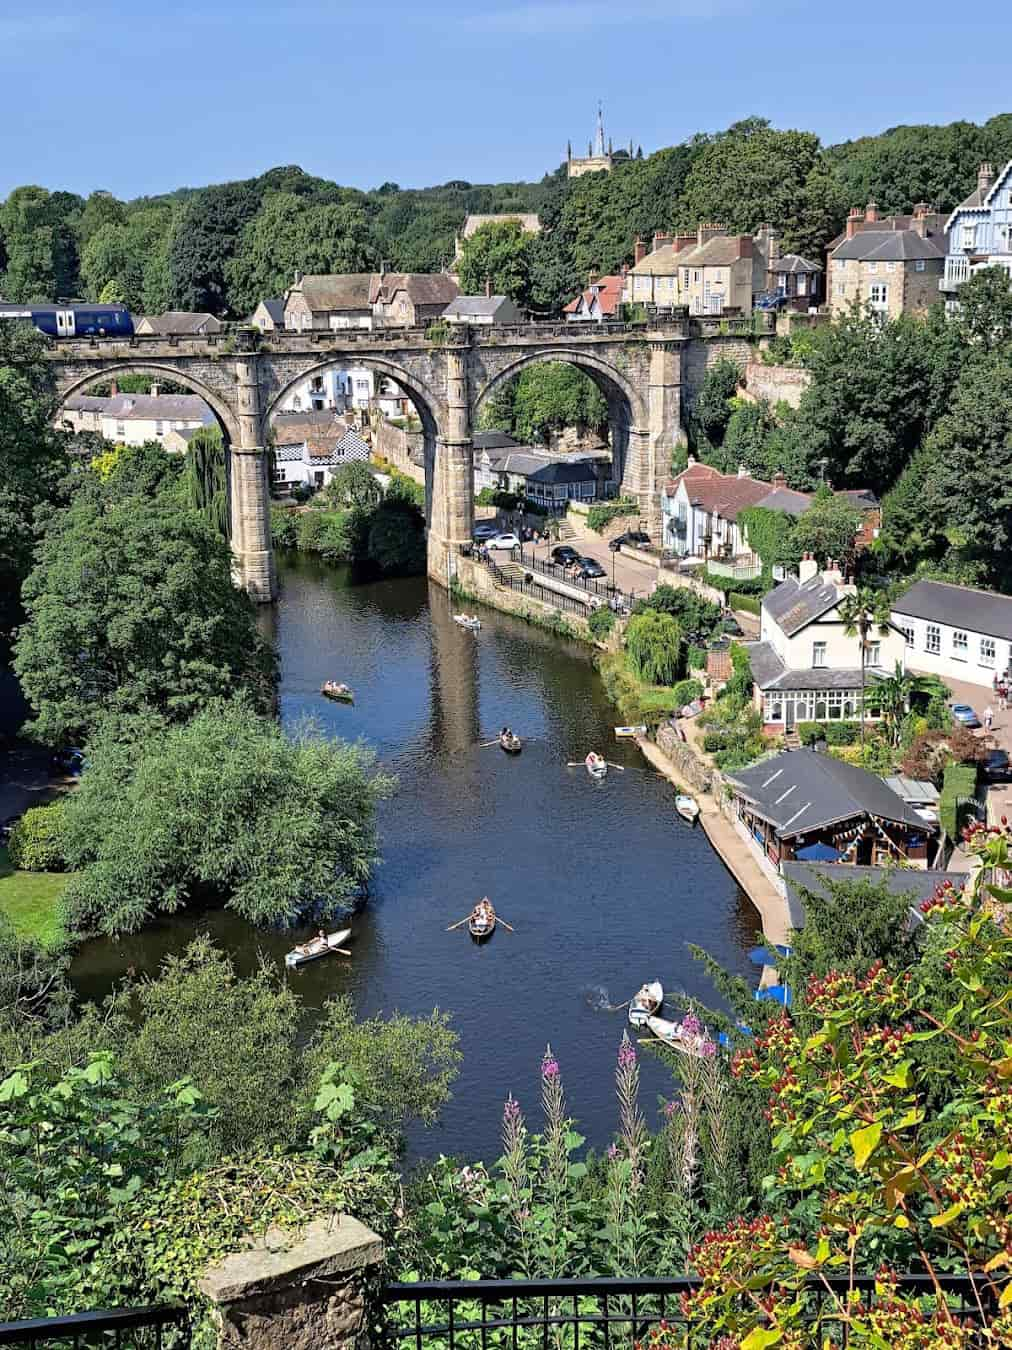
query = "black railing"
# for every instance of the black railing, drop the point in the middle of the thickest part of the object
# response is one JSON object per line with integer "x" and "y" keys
{"x": 559, "y": 572}
{"x": 557, "y": 599}
{"x": 152, "y": 1328}
{"x": 611, "y": 1314}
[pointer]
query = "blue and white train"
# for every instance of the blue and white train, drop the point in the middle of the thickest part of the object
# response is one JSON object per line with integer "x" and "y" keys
{"x": 65, "y": 321}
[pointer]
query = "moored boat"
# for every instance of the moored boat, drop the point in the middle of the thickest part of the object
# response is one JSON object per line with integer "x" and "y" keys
{"x": 481, "y": 924}
{"x": 625, "y": 733}
{"x": 510, "y": 742}
{"x": 677, "y": 1036}
{"x": 468, "y": 621}
{"x": 596, "y": 766}
{"x": 317, "y": 947}
{"x": 645, "y": 1003}
{"x": 686, "y": 806}
{"x": 341, "y": 692}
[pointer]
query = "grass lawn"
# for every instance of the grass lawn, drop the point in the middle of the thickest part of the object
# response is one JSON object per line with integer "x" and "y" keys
{"x": 29, "y": 900}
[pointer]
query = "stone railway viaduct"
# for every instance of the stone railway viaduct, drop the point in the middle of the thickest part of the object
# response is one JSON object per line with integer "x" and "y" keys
{"x": 643, "y": 372}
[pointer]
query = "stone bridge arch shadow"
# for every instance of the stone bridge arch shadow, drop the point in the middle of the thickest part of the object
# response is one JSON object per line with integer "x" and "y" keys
{"x": 627, "y": 406}
{"x": 424, "y": 399}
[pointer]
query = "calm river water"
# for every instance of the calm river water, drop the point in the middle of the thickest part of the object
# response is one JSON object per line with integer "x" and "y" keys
{"x": 603, "y": 883}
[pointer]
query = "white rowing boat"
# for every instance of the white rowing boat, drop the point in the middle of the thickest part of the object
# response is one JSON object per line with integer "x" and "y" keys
{"x": 645, "y": 1003}
{"x": 675, "y": 1037}
{"x": 470, "y": 621}
{"x": 596, "y": 766}
{"x": 686, "y": 806}
{"x": 317, "y": 947}
{"x": 626, "y": 733}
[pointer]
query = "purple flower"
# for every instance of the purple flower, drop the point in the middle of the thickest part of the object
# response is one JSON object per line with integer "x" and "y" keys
{"x": 708, "y": 1049}
{"x": 626, "y": 1054}
{"x": 671, "y": 1109}
{"x": 549, "y": 1066}
{"x": 612, "y": 1152}
{"x": 692, "y": 1024}
{"x": 511, "y": 1111}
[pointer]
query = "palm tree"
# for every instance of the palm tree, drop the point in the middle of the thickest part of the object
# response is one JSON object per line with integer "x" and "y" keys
{"x": 862, "y": 612}
{"x": 892, "y": 696}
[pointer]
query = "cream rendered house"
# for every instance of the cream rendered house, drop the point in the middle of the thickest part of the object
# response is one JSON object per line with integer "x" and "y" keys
{"x": 711, "y": 271}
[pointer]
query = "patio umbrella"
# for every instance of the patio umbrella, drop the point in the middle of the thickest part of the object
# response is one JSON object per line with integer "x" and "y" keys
{"x": 776, "y": 993}
{"x": 818, "y": 853}
{"x": 764, "y": 956}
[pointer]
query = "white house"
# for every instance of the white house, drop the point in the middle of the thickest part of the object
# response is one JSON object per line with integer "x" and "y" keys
{"x": 805, "y": 666}
{"x": 344, "y": 390}
{"x": 132, "y": 419}
{"x": 482, "y": 309}
{"x": 699, "y": 511}
{"x": 956, "y": 632}
{"x": 312, "y": 454}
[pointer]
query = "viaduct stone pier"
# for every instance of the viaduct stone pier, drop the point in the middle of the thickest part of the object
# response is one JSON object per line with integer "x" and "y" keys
{"x": 643, "y": 371}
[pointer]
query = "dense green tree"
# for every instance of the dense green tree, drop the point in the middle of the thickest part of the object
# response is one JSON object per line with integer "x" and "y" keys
{"x": 225, "y": 804}
{"x": 100, "y": 209}
{"x": 545, "y": 399}
{"x": 711, "y": 409}
{"x": 985, "y": 309}
{"x": 395, "y": 541}
{"x": 131, "y": 607}
{"x": 38, "y": 230}
{"x": 353, "y": 484}
{"x": 499, "y": 254}
{"x": 204, "y": 240}
{"x": 653, "y": 642}
{"x": 206, "y": 475}
{"x": 827, "y": 529}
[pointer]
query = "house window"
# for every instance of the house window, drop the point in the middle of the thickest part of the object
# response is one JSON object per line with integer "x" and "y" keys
{"x": 839, "y": 288}
{"x": 879, "y": 294}
{"x": 800, "y": 285}
{"x": 296, "y": 403}
{"x": 933, "y": 639}
{"x": 959, "y": 645}
{"x": 890, "y": 267}
{"x": 695, "y": 276}
{"x": 987, "y": 651}
{"x": 278, "y": 473}
{"x": 908, "y": 633}
{"x": 159, "y": 428}
{"x": 873, "y": 267}
{"x": 968, "y": 235}
{"x": 818, "y": 654}
{"x": 874, "y": 657}
{"x": 920, "y": 265}
{"x": 120, "y": 429}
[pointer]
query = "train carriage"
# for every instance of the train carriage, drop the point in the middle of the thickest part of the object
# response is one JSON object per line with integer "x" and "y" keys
{"x": 66, "y": 321}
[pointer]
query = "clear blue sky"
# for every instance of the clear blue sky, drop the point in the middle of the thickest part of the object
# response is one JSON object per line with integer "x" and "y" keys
{"x": 152, "y": 95}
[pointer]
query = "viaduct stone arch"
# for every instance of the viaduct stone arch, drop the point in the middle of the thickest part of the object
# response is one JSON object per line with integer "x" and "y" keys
{"x": 244, "y": 377}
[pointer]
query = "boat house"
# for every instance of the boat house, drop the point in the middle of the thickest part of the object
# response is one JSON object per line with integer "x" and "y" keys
{"x": 812, "y": 807}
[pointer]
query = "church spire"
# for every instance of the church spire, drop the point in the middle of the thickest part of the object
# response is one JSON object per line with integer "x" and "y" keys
{"x": 599, "y": 140}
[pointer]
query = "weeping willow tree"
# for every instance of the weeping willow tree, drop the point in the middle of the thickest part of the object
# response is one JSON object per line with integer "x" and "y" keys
{"x": 206, "y": 482}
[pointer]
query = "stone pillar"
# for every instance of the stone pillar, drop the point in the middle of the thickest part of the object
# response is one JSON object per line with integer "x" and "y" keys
{"x": 303, "y": 1291}
{"x": 249, "y": 490}
{"x": 648, "y": 459}
{"x": 453, "y": 478}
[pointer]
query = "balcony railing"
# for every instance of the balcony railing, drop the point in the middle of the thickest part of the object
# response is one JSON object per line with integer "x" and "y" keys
{"x": 610, "y": 1314}
{"x": 957, "y": 270}
{"x": 149, "y": 1328}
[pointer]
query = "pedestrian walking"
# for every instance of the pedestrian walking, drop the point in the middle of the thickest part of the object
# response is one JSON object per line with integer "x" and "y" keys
{"x": 988, "y": 717}
{"x": 1002, "y": 695}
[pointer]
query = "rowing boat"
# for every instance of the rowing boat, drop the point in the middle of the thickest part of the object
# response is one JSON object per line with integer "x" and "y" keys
{"x": 596, "y": 766}
{"x": 340, "y": 692}
{"x": 317, "y": 947}
{"x": 687, "y": 807}
{"x": 675, "y": 1037}
{"x": 468, "y": 621}
{"x": 481, "y": 924}
{"x": 625, "y": 733}
{"x": 511, "y": 743}
{"x": 645, "y": 1003}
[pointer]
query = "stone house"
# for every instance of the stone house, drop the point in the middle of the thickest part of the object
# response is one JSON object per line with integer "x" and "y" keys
{"x": 410, "y": 299}
{"x": 796, "y": 279}
{"x": 528, "y": 222}
{"x": 979, "y": 231}
{"x": 329, "y": 301}
{"x": 482, "y": 310}
{"x": 956, "y": 632}
{"x": 710, "y": 271}
{"x": 177, "y": 323}
{"x": 132, "y": 419}
{"x": 895, "y": 269}
{"x": 805, "y": 666}
{"x": 269, "y": 315}
{"x": 601, "y": 300}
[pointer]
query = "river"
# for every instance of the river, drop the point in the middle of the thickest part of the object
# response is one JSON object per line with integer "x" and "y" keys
{"x": 602, "y": 882}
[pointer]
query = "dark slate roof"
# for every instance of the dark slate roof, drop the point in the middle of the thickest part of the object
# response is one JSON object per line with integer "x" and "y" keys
{"x": 863, "y": 498}
{"x": 919, "y": 885}
{"x": 564, "y": 471}
{"x": 177, "y": 322}
{"x": 794, "y": 604}
{"x": 960, "y": 606}
{"x": 791, "y": 262}
{"x": 800, "y": 790}
{"x": 493, "y": 440}
{"x": 475, "y": 306}
{"x": 824, "y": 677}
{"x": 144, "y": 407}
{"x": 276, "y": 310}
{"x": 787, "y": 499}
{"x": 888, "y": 246}
{"x": 767, "y": 667}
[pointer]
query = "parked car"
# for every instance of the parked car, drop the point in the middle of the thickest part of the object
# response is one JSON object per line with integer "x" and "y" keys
{"x": 962, "y": 712}
{"x": 996, "y": 767}
{"x": 564, "y": 555}
{"x": 630, "y": 537}
{"x": 69, "y": 761}
{"x": 485, "y": 529}
{"x": 589, "y": 567}
{"x": 498, "y": 541}
{"x": 729, "y": 624}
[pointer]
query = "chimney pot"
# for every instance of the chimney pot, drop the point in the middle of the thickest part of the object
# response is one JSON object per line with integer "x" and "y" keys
{"x": 488, "y": 288}
{"x": 871, "y": 212}
{"x": 985, "y": 176}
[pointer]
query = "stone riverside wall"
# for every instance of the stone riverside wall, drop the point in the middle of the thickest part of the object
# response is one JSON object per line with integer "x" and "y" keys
{"x": 305, "y": 1291}
{"x": 397, "y": 446}
{"x": 478, "y": 581}
{"x": 778, "y": 384}
{"x": 686, "y": 762}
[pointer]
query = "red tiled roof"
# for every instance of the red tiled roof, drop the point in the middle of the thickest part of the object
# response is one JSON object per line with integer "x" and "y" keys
{"x": 609, "y": 296}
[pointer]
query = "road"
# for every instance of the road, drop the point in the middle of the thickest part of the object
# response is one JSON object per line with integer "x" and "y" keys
{"x": 629, "y": 574}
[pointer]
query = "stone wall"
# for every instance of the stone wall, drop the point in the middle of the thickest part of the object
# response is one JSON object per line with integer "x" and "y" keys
{"x": 404, "y": 449}
{"x": 669, "y": 577}
{"x": 700, "y": 354}
{"x": 478, "y": 581}
{"x": 777, "y": 384}
{"x": 686, "y": 763}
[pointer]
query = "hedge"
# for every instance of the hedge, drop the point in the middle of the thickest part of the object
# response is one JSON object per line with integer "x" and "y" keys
{"x": 685, "y": 691}
{"x": 959, "y": 780}
{"x": 601, "y": 621}
{"x": 749, "y": 603}
{"x": 833, "y": 733}
{"x": 36, "y": 840}
{"x": 602, "y": 514}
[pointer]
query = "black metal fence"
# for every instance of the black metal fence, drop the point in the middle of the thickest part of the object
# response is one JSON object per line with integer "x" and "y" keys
{"x": 569, "y": 603}
{"x": 608, "y": 1314}
{"x": 160, "y": 1327}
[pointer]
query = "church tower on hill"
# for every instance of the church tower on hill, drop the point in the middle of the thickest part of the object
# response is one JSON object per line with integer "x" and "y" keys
{"x": 600, "y": 156}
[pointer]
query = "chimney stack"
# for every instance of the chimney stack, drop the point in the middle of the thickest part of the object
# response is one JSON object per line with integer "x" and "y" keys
{"x": 708, "y": 230}
{"x": 832, "y": 576}
{"x": 807, "y": 568}
{"x": 488, "y": 288}
{"x": 684, "y": 241}
{"x": 639, "y": 251}
{"x": 779, "y": 479}
{"x": 985, "y": 177}
{"x": 661, "y": 239}
{"x": 854, "y": 220}
{"x": 919, "y": 224}
{"x": 871, "y": 213}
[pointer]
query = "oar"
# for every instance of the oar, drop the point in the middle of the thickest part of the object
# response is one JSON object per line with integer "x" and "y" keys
{"x": 620, "y": 767}
{"x": 485, "y": 744}
{"x": 505, "y": 924}
{"x": 617, "y": 1007}
{"x": 458, "y": 925}
{"x": 341, "y": 951}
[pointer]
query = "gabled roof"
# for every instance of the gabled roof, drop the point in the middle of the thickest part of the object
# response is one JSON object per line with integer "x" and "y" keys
{"x": 978, "y": 200}
{"x": 476, "y": 306}
{"x": 800, "y": 790}
{"x": 792, "y": 262}
{"x": 177, "y": 322}
{"x": 919, "y": 884}
{"x": 606, "y": 290}
{"x": 565, "y": 471}
{"x": 795, "y": 604}
{"x": 787, "y": 500}
{"x": 275, "y": 310}
{"x": 335, "y": 290}
{"x": 144, "y": 407}
{"x": 887, "y": 246}
{"x": 493, "y": 440}
{"x": 422, "y": 288}
{"x": 986, "y": 612}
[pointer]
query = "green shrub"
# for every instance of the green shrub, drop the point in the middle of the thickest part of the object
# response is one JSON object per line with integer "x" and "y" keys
{"x": 833, "y": 733}
{"x": 695, "y": 658}
{"x": 749, "y": 603}
{"x": 284, "y": 527}
{"x": 685, "y": 691}
{"x": 439, "y": 331}
{"x": 603, "y": 513}
{"x": 959, "y": 780}
{"x": 36, "y": 841}
{"x": 601, "y": 622}
{"x": 327, "y": 533}
{"x": 654, "y": 643}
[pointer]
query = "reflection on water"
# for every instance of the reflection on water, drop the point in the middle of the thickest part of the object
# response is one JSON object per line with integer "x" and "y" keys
{"x": 602, "y": 882}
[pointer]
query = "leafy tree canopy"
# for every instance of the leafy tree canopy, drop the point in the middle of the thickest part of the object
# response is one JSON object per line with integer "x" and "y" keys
{"x": 499, "y": 255}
